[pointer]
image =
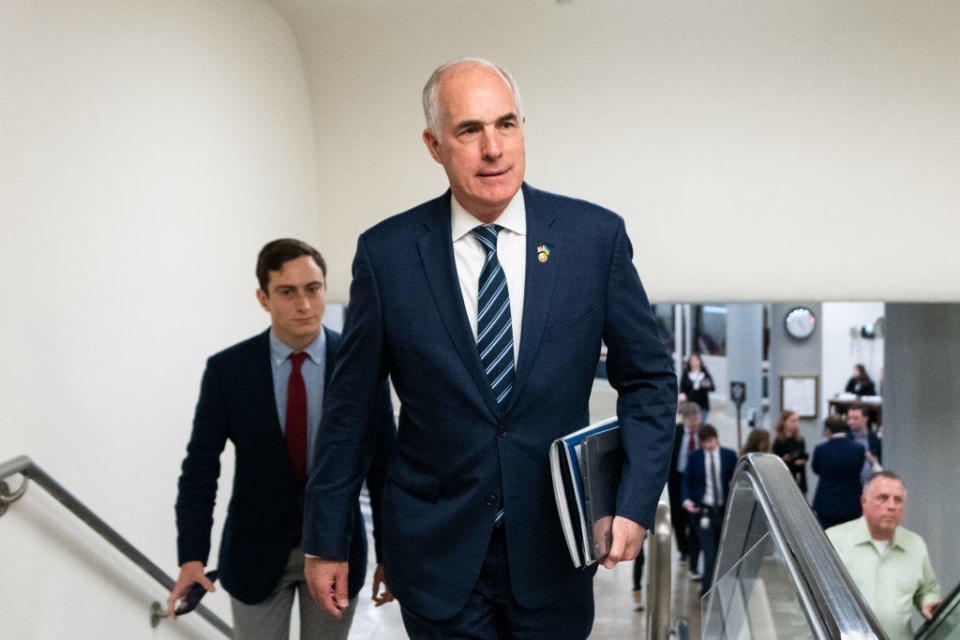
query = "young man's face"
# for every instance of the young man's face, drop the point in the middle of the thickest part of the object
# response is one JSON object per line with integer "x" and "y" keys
{"x": 295, "y": 300}
{"x": 857, "y": 421}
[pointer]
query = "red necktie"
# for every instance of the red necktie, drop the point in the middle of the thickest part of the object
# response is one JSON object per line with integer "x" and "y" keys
{"x": 690, "y": 445}
{"x": 296, "y": 428}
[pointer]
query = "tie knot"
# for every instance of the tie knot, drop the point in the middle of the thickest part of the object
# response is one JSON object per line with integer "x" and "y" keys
{"x": 297, "y": 359}
{"x": 487, "y": 236}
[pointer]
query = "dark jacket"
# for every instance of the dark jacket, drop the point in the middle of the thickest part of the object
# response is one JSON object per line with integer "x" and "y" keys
{"x": 459, "y": 453}
{"x": 263, "y": 518}
{"x": 695, "y": 477}
{"x": 838, "y": 462}
{"x": 701, "y": 396}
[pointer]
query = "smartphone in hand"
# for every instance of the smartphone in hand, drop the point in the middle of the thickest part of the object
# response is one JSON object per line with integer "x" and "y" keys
{"x": 194, "y": 594}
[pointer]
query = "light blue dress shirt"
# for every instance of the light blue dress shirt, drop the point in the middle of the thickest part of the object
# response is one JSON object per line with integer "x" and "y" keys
{"x": 313, "y": 368}
{"x": 683, "y": 453}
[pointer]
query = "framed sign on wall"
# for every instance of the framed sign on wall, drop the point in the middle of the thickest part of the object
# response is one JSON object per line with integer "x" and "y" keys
{"x": 800, "y": 394}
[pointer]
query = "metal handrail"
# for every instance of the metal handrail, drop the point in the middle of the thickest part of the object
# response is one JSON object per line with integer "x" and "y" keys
{"x": 658, "y": 587}
{"x": 24, "y": 466}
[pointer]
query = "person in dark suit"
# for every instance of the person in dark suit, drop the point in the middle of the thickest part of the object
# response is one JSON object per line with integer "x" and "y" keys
{"x": 838, "y": 462}
{"x": 858, "y": 419}
{"x": 686, "y": 441}
{"x": 696, "y": 383}
{"x": 706, "y": 487}
{"x": 487, "y": 307}
{"x": 265, "y": 395}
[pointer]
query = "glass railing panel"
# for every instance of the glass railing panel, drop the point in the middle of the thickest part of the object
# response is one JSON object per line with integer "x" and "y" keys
{"x": 756, "y": 599}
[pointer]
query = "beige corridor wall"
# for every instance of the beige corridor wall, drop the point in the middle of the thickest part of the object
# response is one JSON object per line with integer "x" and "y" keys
{"x": 758, "y": 150}
{"x": 147, "y": 150}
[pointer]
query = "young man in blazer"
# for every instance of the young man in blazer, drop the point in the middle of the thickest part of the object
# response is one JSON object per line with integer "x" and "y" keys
{"x": 487, "y": 306}
{"x": 266, "y": 395}
{"x": 706, "y": 487}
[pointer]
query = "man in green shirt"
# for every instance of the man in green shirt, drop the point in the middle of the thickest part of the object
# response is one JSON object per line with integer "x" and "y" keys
{"x": 889, "y": 563}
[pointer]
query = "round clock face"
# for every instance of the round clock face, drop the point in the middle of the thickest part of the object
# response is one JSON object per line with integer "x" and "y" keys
{"x": 800, "y": 323}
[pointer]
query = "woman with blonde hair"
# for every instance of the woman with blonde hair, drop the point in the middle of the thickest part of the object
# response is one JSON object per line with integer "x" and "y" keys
{"x": 791, "y": 448}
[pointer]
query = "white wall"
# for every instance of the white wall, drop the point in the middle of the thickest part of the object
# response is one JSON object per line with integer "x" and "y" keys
{"x": 841, "y": 351}
{"x": 800, "y": 150}
{"x": 147, "y": 150}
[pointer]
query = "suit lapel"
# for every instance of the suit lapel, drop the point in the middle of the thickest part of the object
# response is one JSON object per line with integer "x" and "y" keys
{"x": 332, "y": 346}
{"x": 262, "y": 383}
{"x": 539, "y": 284}
{"x": 436, "y": 256}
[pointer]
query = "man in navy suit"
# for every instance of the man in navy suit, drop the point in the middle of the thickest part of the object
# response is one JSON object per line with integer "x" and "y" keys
{"x": 706, "y": 487}
{"x": 487, "y": 307}
{"x": 265, "y": 395}
{"x": 685, "y": 442}
{"x": 858, "y": 419}
{"x": 839, "y": 462}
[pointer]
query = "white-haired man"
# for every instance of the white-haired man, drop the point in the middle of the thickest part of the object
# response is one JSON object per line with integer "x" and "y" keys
{"x": 487, "y": 307}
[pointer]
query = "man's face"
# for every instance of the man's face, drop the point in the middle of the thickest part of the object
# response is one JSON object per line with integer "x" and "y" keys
{"x": 692, "y": 423}
{"x": 480, "y": 142}
{"x": 857, "y": 421}
{"x": 882, "y": 503}
{"x": 710, "y": 444}
{"x": 295, "y": 301}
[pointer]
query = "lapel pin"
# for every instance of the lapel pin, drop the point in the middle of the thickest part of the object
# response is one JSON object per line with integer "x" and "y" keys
{"x": 543, "y": 253}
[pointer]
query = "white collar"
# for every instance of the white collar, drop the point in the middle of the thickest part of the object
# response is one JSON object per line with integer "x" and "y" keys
{"x": 513, "y": 218}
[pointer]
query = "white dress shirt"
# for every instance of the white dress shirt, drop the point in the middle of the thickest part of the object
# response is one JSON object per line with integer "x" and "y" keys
{"x": 711, "y": 468}
{"x": 470, "y": 255}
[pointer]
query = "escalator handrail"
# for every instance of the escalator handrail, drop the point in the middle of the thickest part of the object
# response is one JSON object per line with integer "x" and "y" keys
{"x": 26, "y": 467}
{"x": 838, "y": 608}
{"x": 950, "y": 603}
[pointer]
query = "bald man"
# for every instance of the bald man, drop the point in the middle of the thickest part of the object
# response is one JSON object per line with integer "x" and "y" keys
{"x": 487, "y": 307}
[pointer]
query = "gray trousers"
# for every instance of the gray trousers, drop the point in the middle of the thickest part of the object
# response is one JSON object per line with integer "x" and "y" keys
{"x": 270, "y": 619}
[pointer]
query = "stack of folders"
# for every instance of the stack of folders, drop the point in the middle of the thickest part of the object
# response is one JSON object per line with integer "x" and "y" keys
{"x": 586, "y": 466}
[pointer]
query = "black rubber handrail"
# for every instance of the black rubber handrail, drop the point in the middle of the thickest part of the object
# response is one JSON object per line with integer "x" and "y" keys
{"x": 26, "y": 467}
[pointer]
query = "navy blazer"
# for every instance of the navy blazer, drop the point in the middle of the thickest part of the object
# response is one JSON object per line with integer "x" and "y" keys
{"x": 695, "y": 476}
{"x": 458, "y": 453}
{"x": 838, "y": 462}
{"x": 237, "y": 403}
{"x": 874, "y": 444}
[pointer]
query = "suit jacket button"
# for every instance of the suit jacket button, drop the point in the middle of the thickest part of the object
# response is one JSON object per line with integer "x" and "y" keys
{"x": 503, "y": 431}
{"x": 491, "y": 499}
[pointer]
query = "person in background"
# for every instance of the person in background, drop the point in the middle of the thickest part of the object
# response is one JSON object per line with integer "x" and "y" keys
{"x": 838, "y": 462}
{"x": 860, "y": 383}
{"x": 888, "y": 563}
{"x": 706, "y": 486}
{"x": 266, "y": 395}
{"x": 696, "y": 384}
{"x": 686, "y": 441}
{"x": 858, "y": 419}
{"x": 789, "y": 445}
{"x": 757, "y": 442}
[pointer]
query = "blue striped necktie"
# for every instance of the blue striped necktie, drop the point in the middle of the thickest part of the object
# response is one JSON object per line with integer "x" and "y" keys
{"x": 494, "y": 325}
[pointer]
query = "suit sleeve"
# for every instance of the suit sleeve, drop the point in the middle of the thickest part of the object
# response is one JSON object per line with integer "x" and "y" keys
{"x": 382, "y": 452}
{"x": 688, "y": 481}
{"x": 347, "y": 434}
{"x": 641, "y": 370}
{"x": 197, "y": 488}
